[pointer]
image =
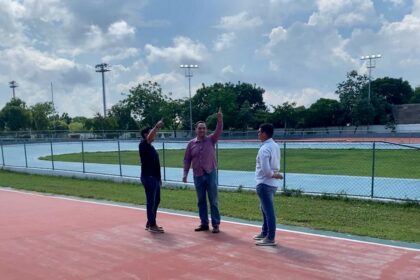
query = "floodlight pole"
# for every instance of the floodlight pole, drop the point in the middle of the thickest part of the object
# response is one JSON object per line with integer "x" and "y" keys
{"x": 188, "y": 73}
{"x": 52, "y": 96}
{"x": 13, "y": 85}
{"x": 371, "y": 64}
{"x": 102, "y": 68}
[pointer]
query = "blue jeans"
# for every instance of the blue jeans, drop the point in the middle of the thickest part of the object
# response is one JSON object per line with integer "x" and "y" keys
{"x": 152, "y": 189}
{"x": 266, "y": 195}
{"x": 207, "y": 184}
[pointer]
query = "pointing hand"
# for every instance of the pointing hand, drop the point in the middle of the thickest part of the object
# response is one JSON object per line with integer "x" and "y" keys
{"x": 220, "y": 114}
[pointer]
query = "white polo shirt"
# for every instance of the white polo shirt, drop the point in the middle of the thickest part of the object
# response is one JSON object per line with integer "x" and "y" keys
{"x": 268, "y": 162}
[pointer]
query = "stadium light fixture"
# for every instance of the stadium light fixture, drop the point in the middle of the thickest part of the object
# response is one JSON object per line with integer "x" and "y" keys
{"x": 189, "y": 74}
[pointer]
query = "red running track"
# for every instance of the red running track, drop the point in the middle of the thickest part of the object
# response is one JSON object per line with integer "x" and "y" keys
{"x": 44, "y": 237}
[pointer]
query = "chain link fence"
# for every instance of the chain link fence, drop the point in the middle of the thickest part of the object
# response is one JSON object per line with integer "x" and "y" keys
{"x": 379, "y": 170}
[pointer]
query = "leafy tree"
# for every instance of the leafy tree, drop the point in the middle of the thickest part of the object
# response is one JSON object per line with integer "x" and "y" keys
{"x": 172, "y": 113}
{"x": 300, "y": 117}
{"x": 15, "y": 115}
{"x": 88, "y": 124}
{"x": 76, "y": 126}
{"x": 416, "y": 96}
{"x": 41, "y": 115}
{"x": 262, "y": 116}
{"x": 284, "y": 115}
{"x": 99, "y": 123}
{"x": 251, "y": 94}
{"x": 2, "y": 123}
{"x": 350, "y": 92}
{"x": 65, "y": 118}
{"x": 394, "y": 91}
{"x": 242, "y": 98}
{"x": 59, "y": 125}
{"x": 324, "y": 112}
{"x": 146, "y": 103}
{"x": 122, "y": 114}
{"x": 246, "y": 116}
{"x": 362, "y": 112}
{"x": 79, "y": 119}
{"x": 207, "y": 101}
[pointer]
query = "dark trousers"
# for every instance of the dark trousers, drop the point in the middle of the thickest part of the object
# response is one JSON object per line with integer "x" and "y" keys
{"x": 152, "y": 189}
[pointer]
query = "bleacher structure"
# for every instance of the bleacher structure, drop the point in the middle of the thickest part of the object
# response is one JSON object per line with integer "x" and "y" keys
{"x": 406, "y": 113}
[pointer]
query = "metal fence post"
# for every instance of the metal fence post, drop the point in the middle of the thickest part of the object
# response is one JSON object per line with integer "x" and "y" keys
{"x": 26, "y": 156}
{"x": 52, "y": 155}
{"x": 164, "y": 161}
{"x": 284, "y": 166}
{"x": 119, "y": 157}
{"x": 373, "y": 170}
{"x": 83, "y": 157}
{"x": 2, "y": 153}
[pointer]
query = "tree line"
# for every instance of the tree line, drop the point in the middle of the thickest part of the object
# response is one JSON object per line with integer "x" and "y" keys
{"x": 242, "y": 105}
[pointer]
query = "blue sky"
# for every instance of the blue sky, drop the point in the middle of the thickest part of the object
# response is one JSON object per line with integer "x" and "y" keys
{"x": 298, "y": 50}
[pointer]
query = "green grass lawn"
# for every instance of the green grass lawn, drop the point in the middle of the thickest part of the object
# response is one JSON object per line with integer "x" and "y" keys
{"x": 388, "y": 163}
{"x": 366, "y": 218}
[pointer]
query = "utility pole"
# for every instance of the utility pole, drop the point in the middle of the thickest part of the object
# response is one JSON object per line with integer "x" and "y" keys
{"x": 13, "y": 85}
{"x": 52, "y": 100}
{"x": 371, "y": 64}
{"x": 189, "y": 74}
{"x": 52, "y": 96}
{"x": 102, "y": 68}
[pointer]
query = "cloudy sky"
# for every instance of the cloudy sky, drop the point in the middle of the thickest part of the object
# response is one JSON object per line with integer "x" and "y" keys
{"x": 298, "y": 50}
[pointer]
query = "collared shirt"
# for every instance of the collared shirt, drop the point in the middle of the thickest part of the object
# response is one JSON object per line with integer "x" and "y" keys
{"x": 150, "y": 165}
{"x": 202, "y": 153}
{"x": 268, "y": 162}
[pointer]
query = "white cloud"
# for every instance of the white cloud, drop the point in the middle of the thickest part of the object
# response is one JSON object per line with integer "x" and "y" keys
{"x": 11, "y": 28}
{"x": 227, "y": 70}
{"x": 25, "y": 59}
{"x": 171, "y": 82}
{"x": 224, "y": 41}
{"x": 239, "y": 22}
{"x": 302, "y": 97}
{"x": 94, "y": 38}
{"x": 121, "y": 54}
{"x": 395, "y": 2}
{"x": 121, "y": 29}
{"x": 12, "y": 8}
{"x": 276, "y": 36}
{"x": 343, "y": 13}
{"x": 273, "y": 66}
{"x": 303, "y": 48}
{"x": 184, "y": 50}
{"x": 48, "y": 11}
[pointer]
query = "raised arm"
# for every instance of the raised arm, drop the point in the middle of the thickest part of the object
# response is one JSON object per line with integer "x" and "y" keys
{"x": 152, "y": 133}
{"x": 219, "y": 127}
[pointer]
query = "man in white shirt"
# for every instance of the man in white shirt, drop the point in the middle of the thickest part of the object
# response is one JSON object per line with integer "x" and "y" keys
{"x": 267, "y": 176}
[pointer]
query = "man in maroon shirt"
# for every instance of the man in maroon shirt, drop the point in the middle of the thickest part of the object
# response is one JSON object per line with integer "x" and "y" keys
{"x": 201, "y": 153}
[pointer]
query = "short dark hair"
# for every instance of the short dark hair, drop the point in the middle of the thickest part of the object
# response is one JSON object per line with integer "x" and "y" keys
{"x": 268, "y": 129}
{"x": 197, "y": 123}
{"x": 145, "y": 131}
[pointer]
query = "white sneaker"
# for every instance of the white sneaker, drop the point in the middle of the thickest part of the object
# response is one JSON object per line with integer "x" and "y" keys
{"x": 266, "y": 242}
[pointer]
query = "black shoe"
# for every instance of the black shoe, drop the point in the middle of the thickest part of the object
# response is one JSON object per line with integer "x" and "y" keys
{"x": 156, "y": 229}
{"x": 215, "y": 229}
{"x": 202, "y": 228}
{"x": 148, "y": 227}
